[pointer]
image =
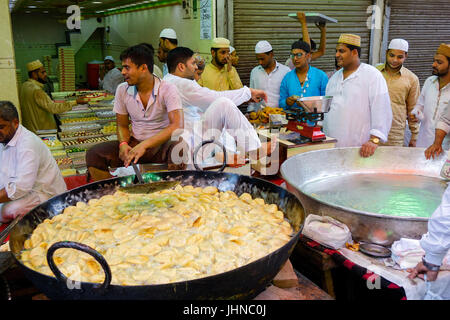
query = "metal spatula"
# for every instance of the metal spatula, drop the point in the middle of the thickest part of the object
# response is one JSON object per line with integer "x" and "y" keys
{"x": 150, "y": 187}
{"x": 4, "y": 234}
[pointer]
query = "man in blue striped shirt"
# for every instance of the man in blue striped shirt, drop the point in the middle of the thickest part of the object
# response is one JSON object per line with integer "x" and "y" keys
{"x": 304, "y": 80}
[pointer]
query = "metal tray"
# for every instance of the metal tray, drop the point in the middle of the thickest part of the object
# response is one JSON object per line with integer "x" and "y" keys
{"x": 313, "y": 17}
{"x": 375, "y": 250}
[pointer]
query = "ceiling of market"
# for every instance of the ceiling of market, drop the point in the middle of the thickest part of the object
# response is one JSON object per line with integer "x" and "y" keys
{"x": 59, "y": 7}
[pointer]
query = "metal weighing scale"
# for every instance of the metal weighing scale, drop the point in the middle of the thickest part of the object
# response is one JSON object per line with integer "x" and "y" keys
{"x": 303, "y": 119}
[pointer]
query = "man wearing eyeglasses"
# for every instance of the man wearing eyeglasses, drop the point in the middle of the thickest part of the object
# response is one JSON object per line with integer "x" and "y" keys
{"x": 304, "y": 80}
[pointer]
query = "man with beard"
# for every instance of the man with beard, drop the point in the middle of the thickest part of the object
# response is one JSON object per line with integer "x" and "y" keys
{"x": 220, "y": 75}
{"x": 404, "y": 89}
{"x": 167, "y": 41}
{"x": 360, "y": 113}
{"x": 267, "y": 75}
{"x": 37, "y": 107}
{"x": 434, "y": 98}
{"x": 210, "y": 113}
{"x": 110, "y": 77}
{"x": 156, "y": 70}
{"x": 29, "y": 174}
{"x": 152, "y": 107}
{"x": 304, "y": 80}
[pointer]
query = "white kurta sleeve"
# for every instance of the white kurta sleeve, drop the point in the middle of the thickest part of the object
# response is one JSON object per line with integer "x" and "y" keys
{"x": 436, "y": 242}
{"x": 252, "y": 106}
{"x": 444, "y": 120}
{"x": 195, "y": 95}
{"x": 380, "y": 108}
{"x": 420, "y": 105}
{"x": 26, "y": 174}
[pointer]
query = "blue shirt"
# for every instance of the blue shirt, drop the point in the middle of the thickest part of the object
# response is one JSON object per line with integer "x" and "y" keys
{"x": 315, "y": 86}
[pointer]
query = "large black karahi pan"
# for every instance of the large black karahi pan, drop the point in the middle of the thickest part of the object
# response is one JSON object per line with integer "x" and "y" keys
{"x": 242, "y": 283}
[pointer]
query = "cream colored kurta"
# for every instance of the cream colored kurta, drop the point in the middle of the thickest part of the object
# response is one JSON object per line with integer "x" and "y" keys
{"x": 220, "y": 80}
{"x": 37, "y": 107}
{"x": 404, "y": 90}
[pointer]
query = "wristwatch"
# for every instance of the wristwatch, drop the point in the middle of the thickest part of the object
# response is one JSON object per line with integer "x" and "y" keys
{"x": 375, "y": 140}
{"x": 429, "y": 266}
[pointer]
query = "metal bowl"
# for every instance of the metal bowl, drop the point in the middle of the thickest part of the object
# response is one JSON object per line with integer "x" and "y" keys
{"x": 333, "y": 168}
{"x": 316, "y": 104}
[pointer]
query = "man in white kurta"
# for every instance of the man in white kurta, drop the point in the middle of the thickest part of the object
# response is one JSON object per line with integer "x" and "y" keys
{"x": 434, "y": 98}
{"x": 267, "y": 75}
{"x": 29, "y": 174}
{"x": 110, "y": 77}
{"x": 208, "y": 112}
{"x": 167, "y": 41}
{"x": 436, "y": 244}
{"x": 360, "y": 114}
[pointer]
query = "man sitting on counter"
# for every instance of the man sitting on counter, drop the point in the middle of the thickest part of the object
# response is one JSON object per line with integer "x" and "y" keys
{"x": 211, "y": 114}
{"x": 152, "y": 106}
{"x": 29, "y": 174}
{"x": 36, "y": 105}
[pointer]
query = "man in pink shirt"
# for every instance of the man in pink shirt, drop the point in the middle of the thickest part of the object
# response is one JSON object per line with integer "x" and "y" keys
{"x": 154, "y": 109}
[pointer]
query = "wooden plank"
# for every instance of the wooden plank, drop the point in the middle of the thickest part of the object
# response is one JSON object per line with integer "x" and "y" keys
{"x": 275, "y": 293}
{"x": 270, "y": 166}
{"x": 313, "y": 147}
{"x": 309, "y": 290}
{"x": 286, "y": 278}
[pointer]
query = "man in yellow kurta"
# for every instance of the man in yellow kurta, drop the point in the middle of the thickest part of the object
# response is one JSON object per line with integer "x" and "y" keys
{"x": 220, "y": 75}
{"x": 404, "y": 90}
{"x": 37, "y": 107}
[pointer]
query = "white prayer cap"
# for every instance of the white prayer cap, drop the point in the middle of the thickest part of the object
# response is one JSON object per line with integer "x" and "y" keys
{"x": 263, "y": 47}
{"x": 231, "y": 49}
{"x": 168, "y": 33}
{"x": 399, "y": 44}
{"x": 109, "y": 58}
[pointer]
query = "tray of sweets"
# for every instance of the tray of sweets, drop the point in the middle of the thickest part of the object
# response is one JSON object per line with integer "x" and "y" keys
{"x": 67, "y": 136}
{"x": 64, "y": 163}
{"x": 105, "y": 114}
{"x": 79, "y": 120}
{"x": 81, "y": 127}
